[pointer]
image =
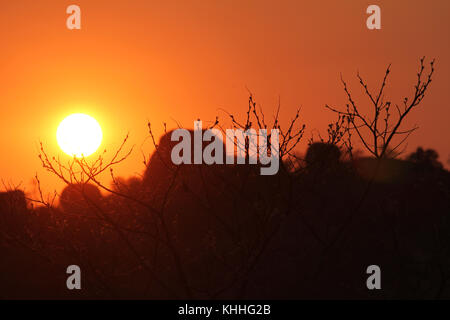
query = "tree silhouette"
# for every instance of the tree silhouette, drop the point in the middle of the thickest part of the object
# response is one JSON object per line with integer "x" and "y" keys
{"x": 427, "y": 158}
{"x": 76, "y": 197}
{"x": 378, "y": 131}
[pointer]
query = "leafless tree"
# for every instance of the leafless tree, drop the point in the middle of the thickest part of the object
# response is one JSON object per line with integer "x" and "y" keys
{"x": 379, "y": 128}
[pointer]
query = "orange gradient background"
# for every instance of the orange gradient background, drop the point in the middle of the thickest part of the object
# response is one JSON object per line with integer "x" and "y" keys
{"x": 167, "y": 61}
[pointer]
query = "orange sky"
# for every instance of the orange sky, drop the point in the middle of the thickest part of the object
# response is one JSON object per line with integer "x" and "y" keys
{"x": 183, "y": 60}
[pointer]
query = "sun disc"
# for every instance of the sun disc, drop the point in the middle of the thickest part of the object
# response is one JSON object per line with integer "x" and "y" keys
{"x": 79, "y": 135}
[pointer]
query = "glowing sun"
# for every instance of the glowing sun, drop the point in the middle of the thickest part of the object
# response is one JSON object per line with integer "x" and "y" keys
{"x": 79, "y": 135}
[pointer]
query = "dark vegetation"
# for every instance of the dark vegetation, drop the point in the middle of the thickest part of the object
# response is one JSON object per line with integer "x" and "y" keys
{"x": 225, "y": 231}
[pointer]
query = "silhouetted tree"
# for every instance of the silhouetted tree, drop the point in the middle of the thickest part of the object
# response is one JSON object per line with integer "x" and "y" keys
{"x": 378, "y": 131}
{"x": 322, "y": 155}
{"x": 427, "y": 158}
{"x": 80, "y": 198}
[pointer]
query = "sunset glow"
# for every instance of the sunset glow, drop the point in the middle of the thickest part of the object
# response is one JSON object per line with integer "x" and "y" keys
{"x": 213, "y": 159}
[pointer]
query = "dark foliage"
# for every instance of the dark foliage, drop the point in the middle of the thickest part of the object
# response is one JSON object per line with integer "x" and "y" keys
{"x": 237, "y": 234}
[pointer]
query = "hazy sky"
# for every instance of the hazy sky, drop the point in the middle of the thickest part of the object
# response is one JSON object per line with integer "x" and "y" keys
{"x": 134, "y": 61}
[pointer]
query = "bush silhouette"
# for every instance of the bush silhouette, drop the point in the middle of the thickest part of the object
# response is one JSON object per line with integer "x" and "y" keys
{"x": 79, "y": 198}
{"x": 322, "y": 155}
{"x": 426, "y": 158}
